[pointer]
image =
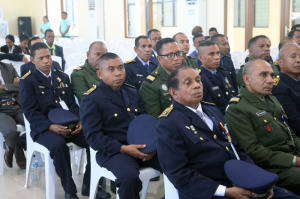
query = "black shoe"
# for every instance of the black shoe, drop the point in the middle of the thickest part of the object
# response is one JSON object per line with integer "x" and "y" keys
{"x": 71, "y": 196}
{"x": 85, "y": 191}
{"x": 155, "y": 179}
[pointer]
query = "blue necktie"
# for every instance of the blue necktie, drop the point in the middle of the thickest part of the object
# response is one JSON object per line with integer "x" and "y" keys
{"x": 218, "y": 77}
{"x": 222, "y": 60}
{"x": 147, "y": 69}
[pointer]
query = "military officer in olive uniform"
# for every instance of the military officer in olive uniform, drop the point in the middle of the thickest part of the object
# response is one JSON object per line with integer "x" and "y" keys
{"x": 217, "y": 83}
{"x": 259, "y": 48}
{"x": 154, "y": 92}
{"x": 83, "y": 78}
{"x": 258, "y": 122}
{"x": 183, "y": 42}
{"x": 138, "y": 69}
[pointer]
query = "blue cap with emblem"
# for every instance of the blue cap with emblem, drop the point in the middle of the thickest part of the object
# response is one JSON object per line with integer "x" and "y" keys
{"x": 250, "y": 177}
{"x": 63, "y": 117}
{"x": 142, "y": 130}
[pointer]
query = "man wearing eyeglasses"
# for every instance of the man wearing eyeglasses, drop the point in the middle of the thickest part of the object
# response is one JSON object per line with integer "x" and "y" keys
{"x": 154, "y": 92}
{"x": 154, "y": 36}
{"x": 184, "y": 44}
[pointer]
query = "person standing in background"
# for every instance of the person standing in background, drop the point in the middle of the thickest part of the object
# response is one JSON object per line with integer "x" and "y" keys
{"x": 64, "y": 25}
{"x": 45, "y": 26}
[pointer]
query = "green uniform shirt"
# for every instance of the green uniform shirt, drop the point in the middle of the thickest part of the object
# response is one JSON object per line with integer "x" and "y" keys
{"x": 154, "y": 92}
{"x": 83, "y": 78}
{"x": 258, "y": 127}
{"x": 239, "y": 80}
{"x": 189, "y": 61}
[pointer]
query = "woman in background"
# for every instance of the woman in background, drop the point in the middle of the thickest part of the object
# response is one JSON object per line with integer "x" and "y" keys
{"x": 10, "y": 44}
{"x": 22, "y": 49}
{"x": 45, "y": 26}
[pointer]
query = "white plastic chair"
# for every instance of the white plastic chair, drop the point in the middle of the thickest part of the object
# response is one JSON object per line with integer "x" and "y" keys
{"x": 170, "y": 191}
{"x": 76, "y": 59}
{"x": 97, "y": 172}
{"x": 70, "y": 70}
{"x": 274, "y": 53}
{"x": 123, "y": 54}
{"x": 57, "y": 59}
{"x": 238, "y": 58}
{"x": 70, "y": 50}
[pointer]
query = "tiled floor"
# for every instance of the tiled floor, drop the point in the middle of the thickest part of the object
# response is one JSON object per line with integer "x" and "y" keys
{"x": 13, "y": 181}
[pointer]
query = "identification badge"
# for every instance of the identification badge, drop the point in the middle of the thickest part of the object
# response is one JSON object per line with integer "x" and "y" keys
{"x": 261, "y": 113}
{"x": 139, "y": 75}
{"x": 63, "y": 105}
{"x": 215, "y": 88}
{"x": 41, "y": 86}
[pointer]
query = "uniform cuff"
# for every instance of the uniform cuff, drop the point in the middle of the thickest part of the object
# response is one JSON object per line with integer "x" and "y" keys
{"x": 294, "y": 161}
{"x": 220, "y": 191}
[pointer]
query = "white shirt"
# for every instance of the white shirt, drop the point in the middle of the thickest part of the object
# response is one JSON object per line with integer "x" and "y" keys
{"x": 12, "y": 49}
{"x": 46, "y": 75}
{"x": 143, "y": 61}
{"x": 155, "y": 53}
{"x": 221, "y": 188}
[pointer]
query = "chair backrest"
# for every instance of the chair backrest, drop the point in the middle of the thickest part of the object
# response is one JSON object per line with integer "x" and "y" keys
{"x": 70, "y": 50}
{"x": 28, "y": 130}
{"x": 76, "y": 59}
{"x": 170, "y": 191}
{"x": 70, "y": 70}
{"x": 238, "y": 58}
{"x": 57, "y": 59}
{"x": 274, "y": 53}
{"x": 123, "y": 54}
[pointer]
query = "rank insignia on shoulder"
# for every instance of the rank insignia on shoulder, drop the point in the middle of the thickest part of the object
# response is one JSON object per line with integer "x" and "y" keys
{"x": 227, "y": 55}
{"x": 198, "y": 71}
{"x": 150, "y": 78}
{"x": 127, "y": 62}
{"x": 129, "y": 85}
{"x": 276, "y": 81}
{"x": 90, "y": 90}
{"x": 234, "y": 100}
{"x": 153, "y": 62}
{"x": 166, "y": 112}
{"x": 26, "y": 75}
{"x": 276, "y": 62}
{"x": 62, "y": 71}
{"x": 209, "y": 103}
{"x": 78, "y": 68}
{"x": 222, "y": 68}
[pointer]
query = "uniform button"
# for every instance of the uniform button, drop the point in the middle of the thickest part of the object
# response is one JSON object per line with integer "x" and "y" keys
{"x": 139, "y": 81}
{"x": 56, "y": 101}
{"x": 265, "y": 121}
{"x": 170, "y": 99}
{"x": 226, "y": 86}
{"x": 43, "y": 92}
{"x": 287, "y": 141}
{"x": 215, "y": 136}
{"x": 135, "y": 110}
{"x": 116, "y": 115}
{"x": 63, "y": 92}
{"x": 233, "y": 91}
{"x": 226, "y": 93}
{"x": 195, "y": 132}
{"x": 274, "y": 118}
{"x": 201, "y": 138}
{"x": 230, "y": 73}
{"x": 214, "y": 117}
{"x": 227, "y": 148}
{"x": 219, "y": 95}
{"x": 128, "y": 109}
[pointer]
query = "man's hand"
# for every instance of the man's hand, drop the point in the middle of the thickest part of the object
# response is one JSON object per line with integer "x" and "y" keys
{"x": 25, "y": 60}
{"x": 297, "y": 162}
{"x": 149, "y": 157}
{"x": 78, "y": 128}
{"x": 60, "y": 130}
{"x": 270, "y": 194}
{"x": 2, "y": 87}
{"x": 237, "y": 193}
{"x": 132, "y": 150}
{"x": 16, "y": 80}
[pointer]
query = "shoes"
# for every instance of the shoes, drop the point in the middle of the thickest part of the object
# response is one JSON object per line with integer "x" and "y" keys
{"x": 8, "y": 156}
{"x": 101, "y": 194}
{"x": 71, "y": 196}
{"x": 21, "y": 162}
{"x": 155, "y": 179}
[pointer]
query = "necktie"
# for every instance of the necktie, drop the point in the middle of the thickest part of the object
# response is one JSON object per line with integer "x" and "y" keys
{"x": 218, "y": 77}
{"x": 147, "y": 69}
{"x": 201, "y": 115}
{"x": 120, "y": 93}
{"x": 49, "y": 79}
{"x": 222, "y": 60}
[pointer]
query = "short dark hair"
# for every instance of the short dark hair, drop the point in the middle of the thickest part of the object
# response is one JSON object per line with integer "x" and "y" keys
{"x": 95, "y": 42}
{"x": 295, "y": 26}
{"x": 46, "y": 17}
{"x": 152, "y": 30}
{"x": 37, "y": 46}
{"x": 196, "y": 36}
{"x": 173, "y": 81}
{"x": 215, "y": 38}
{"x": 179, "y": 33}
{"x": 207, "y": 43}
{"x": 212, "y": 29}
{"x": 137, "y": 40}
{"x": 11, "y": 38}
{"x": 160, "y": 44}
{"x": 65, "y": 13}
{"x": 48, "y": 30}
{"x": 23, "y": 36}
{"x": 30, "y": 40}
{"x": 105, "y": 57}
{"x": 254, "y": 39}
{"x": 291, "y": 34}
{"x": 281, "y": 42}
{"x": 196, "y": 30}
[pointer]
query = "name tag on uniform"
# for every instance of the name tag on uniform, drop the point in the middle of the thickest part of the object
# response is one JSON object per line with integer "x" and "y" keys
{"x": 139, "y": 75}
{"x": 261, "y": 113}
{"x": 63, "y": 105}
{"x": 215, "y": 88}
{"x": 41, "y": 86}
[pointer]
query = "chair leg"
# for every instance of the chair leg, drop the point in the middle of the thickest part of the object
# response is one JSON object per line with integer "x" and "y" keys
{"x": 50, "y": 177}
{"x": 38, "y": 156}
{"x": 145, "y": 188}
{"x": 117, "y": 195}
{"x": 1, "y": 155}
{"x": 28, "y": 165}
{"x": 80, "y": 152}
{"x": 94, "y": 186}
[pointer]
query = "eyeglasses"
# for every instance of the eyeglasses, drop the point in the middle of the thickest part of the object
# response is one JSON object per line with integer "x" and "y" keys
{"x": 170, "y": 56}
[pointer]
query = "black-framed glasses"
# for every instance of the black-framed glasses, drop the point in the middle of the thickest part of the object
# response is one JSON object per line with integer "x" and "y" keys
{"x": 170, "y": 56}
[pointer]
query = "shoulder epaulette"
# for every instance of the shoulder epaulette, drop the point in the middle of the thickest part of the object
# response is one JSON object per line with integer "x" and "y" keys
{"x": 90, "y": 90}
{"x": 222, "y": 68}
{"x": 150, "y": 78}
{"x": 166, "y": 112}
{"x": 153, "y": 63}
{"x": 276, "y": 81}
{"x": 61, "y": 71}
{"x": 129, "y": 85}
{"x": 234, "y": 100}
{"x": 127, "y": 62}
{"x": 208, "y": 103}
{"x": 244, "y": 64}
{"x": 26, "y": 75}
{"x": 78, "y": 68}
{"x": 198, "y": 71}
{"x": 227, "y": 55}
{"x": 276, "y": 62}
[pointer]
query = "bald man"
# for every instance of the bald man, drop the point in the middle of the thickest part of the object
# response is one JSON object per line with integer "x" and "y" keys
{"x": 255, "y": 119}
{"x": 282, "y": 43}
{"x": 287, "y": 85}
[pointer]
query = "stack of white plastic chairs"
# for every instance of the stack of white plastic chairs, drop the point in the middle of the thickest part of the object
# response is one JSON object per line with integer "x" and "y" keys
{"x": 17, "y": 40}
{"x": 123, "y": 49}
{"x": 238, "y": 58}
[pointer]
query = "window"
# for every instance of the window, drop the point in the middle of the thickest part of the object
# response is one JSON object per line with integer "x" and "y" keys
{"x": 261, "y": 13}
{"x": 295, "y": 12}
{"x": 131, "y": 18}
{"x": 239, "y": 13}
{"x": 164, "y": 13}
{"x": 72, "y": 10}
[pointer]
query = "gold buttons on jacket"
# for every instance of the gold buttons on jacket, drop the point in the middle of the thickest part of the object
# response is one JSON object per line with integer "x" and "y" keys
{"x": 195, "y": 132}
{"x": 135, "y": 110}
{"x": 232, "y": 91}
{"x": 170, "y": 99}
{"x": 116, "y": 115}
{"x": 56, "y": 101}
{"x": 128, "y": 109}
{"x": 219, "y": 95}
{"x": 201, "y": 138}
{"x": 274, "y": 118}
{"x": 226, "y": 93}
{"x": 43, "y": 92}
{"x": 227, "y": 148}
{"x": 215, "y": 137}
{"x": 63, "y": 92}
{"x": 265, "y": 121}
{"x": 139, "y": 81}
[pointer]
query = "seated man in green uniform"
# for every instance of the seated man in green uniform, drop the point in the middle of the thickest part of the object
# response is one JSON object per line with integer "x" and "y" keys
{"x": 183, "y": 42}
{"x": 259, "y": 48}
{"x": 83, "y": 78}
{"x": 154, "y": 92}
{"x": 258, "y": 122}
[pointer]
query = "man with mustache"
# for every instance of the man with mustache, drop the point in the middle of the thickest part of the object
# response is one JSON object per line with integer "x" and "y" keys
{"x": 218, "y": 86}
{"x": 154, "y": 92}
{"x": 256, "y": 119}
{"x": 282, "y": 43}
{"x": 155, "y": 36}
{"x": 138, "y": 69}
{"x": 287, "y": 85}
{"x": 106, "y": 112}
{"x": 295, "y": 35}
{"x": 259, "y": 48}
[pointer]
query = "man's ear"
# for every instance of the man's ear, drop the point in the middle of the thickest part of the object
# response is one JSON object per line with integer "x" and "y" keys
{"x": 173, "y": 93}
{"x": 246, "y": 79}
{"x": 32, "y": 60}
{"x": 99, "y": 74}
{"x": 159, "y": 58}
{"x": 250, "y": 51}
{"x": 135, "y": 49}
{"x": 87, "y": 54}
{"x": 200, "y": 57}
{"x": 280, "y": 62}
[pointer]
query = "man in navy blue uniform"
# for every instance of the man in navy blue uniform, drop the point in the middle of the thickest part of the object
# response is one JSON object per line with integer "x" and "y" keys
{"x": 41, "y": 91}
{"x": 191, "y": 146}
{"x": 197, "y": 39}
{"x": 106, "y": 112}
{"x": 225, "y": 62}
{"x": 29, "y": 66}
{"x": 138, "y": 69}
{"x": 154, "y": 36}
{"x": 217, "y": 82}
{"x": 287, "y": 85}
